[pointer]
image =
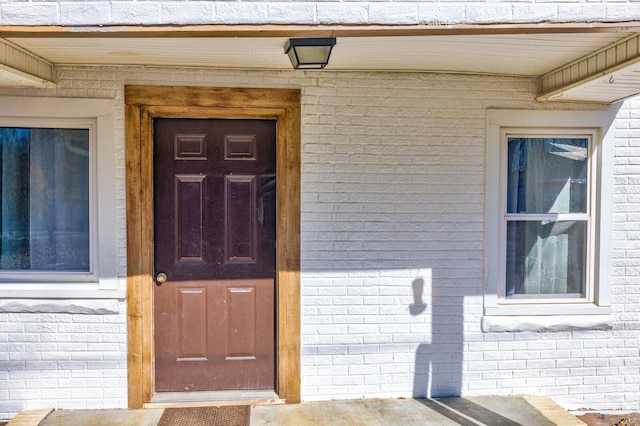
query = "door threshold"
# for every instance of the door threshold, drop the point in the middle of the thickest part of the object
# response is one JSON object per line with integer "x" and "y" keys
{"x": 213, "y": 398}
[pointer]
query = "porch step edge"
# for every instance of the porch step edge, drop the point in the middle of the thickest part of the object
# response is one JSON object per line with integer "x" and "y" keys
{"x": 553, "y": 411}
{"x": 30, "y": 417}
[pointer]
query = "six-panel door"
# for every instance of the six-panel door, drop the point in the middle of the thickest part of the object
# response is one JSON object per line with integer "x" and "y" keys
{"x": 214, "y": 208}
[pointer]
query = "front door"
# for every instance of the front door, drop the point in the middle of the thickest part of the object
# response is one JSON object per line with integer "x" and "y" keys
{"x": 215, "y": 215}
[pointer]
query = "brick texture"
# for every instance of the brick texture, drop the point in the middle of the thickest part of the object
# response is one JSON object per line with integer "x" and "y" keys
{"x": 132, "y": 12}
{"x": 392, "y": 260}
{"x": 62, "y": 361}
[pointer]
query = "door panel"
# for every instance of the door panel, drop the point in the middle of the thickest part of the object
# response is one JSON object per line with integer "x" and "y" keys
{"x": 192, "y": 323}
{"x": 189, "y": 233}
{"x": 240, "y": 218}
{"x": 214, "y": 206}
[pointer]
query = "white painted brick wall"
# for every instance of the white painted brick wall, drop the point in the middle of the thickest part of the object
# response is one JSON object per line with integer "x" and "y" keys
{"x": 393, "y": 190}
{"x": 63, "y": 361}
{"x": 131, "y": 12}
{"x": 392, "y": 180}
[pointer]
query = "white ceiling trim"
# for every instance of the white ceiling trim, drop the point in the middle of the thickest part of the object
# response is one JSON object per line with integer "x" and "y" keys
{"x": 529, "y": 55}
{"x": 608, "y": 75}
{"x": 605, "y": 72}
{"x": 19, "y": 67}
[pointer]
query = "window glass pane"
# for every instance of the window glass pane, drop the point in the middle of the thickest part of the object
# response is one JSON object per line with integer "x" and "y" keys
{"x": 547, "y": 175}
{"x": 44, "y": 180}
{"x": 546, "y": 257}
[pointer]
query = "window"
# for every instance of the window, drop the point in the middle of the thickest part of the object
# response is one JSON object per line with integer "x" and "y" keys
{"x": 548, "y": 214}
{"x": 57, "y": 198}
{"x": 44, "y": 199}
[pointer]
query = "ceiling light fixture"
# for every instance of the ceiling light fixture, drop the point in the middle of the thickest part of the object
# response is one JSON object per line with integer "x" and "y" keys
{"x": 309, "y": 53}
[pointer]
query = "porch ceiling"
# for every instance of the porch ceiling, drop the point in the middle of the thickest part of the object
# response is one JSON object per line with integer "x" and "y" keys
{"x": 525, "y": 53}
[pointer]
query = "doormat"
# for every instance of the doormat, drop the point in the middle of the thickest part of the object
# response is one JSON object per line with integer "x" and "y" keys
{"x": 232, "y": 415}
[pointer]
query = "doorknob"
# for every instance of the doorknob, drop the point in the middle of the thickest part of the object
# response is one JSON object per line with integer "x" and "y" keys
{"x": 161, "y": 278}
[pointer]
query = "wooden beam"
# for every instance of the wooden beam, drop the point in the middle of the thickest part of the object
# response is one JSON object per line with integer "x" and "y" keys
{"x": 146, "y": 273}
{"x": 270, "y": 30}
{"x": 211, "y": 97}
{"x": 134, "y": 243}
{"x": 143, "y": 103}
{"x": 288, "y": 255}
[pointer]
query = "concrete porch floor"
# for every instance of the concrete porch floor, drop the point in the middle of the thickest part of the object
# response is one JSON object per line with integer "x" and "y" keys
{"x": 470, "y": 411}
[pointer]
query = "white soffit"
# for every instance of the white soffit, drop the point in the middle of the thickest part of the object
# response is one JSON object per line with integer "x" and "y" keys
{"x": 608, "y": 75}
{"x": 497, "y": 54}
{"x": 20, "y": 68}
{"x": 494, "y": 54}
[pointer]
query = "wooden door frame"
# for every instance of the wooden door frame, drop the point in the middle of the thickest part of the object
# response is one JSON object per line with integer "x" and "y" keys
{"x": 142, "y": 104}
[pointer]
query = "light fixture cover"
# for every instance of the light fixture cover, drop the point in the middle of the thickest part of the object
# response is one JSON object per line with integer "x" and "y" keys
{"x": 309, "y": 53}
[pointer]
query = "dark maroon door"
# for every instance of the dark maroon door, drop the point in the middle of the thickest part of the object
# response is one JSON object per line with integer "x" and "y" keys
{"x": 214, "y": 206}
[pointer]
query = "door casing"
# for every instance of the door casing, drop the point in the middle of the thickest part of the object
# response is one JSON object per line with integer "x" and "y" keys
{"x": 142, "y": 105}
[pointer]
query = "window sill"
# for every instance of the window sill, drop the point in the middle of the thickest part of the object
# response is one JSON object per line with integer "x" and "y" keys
{"x": 104, "y": 289}
{"x": 546, "y": 309}
{"x": 61, "y": 306}
{"x": 546, "y": 323}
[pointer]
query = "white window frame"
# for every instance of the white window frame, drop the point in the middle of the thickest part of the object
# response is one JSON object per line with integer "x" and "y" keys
{"x": 97, "y": 115}
{"x": 595, "y": 123}
{"x": 589, "y": 217}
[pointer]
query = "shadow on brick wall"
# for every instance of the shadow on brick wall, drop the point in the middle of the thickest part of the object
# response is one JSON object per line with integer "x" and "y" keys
{"x": 438, "y": 364}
